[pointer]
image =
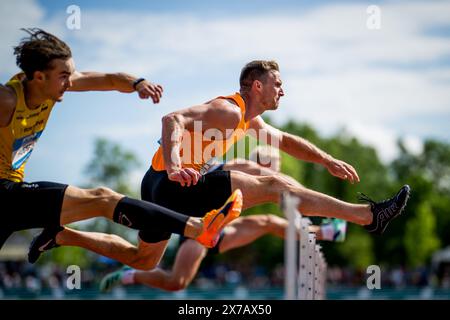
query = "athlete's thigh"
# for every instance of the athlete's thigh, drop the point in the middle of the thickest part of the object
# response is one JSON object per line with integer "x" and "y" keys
{"x": 80, "y": 204}
{"x": 211, "y": 192}
{"x": 255, "y": 189}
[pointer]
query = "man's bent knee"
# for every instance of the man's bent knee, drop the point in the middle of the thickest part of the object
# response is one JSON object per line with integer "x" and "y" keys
{"x": 149, "y": 255}
{"x": 177, "y": 284}
{"x": 104, "y": 193}
{"x": 105, "y": 196}
{"x": 147, "y": 262}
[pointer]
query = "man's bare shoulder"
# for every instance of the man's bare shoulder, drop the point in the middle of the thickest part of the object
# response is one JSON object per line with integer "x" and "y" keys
{"x": 227, "y": 106}
{"x": 221, "y": 113}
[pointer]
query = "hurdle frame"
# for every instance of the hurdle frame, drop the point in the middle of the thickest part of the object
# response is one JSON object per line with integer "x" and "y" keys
{"x": 305, "y": 264}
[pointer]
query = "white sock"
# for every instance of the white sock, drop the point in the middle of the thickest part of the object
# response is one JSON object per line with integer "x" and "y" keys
{"x": 327, "y": 232}
{"x": 128, "y": 277}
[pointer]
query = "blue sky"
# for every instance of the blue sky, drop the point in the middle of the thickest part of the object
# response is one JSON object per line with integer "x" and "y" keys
{"x": 378, "y": 84}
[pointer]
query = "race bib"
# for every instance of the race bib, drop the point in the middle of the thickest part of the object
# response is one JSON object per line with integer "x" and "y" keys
{"x": 22, "y": 149}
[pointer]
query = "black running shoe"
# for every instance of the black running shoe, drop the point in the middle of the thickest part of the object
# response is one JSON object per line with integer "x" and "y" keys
{"x": 46, "y": 240}
{"x": 387, "y": 210}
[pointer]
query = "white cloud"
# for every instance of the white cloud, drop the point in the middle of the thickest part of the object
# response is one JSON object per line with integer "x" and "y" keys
{"x": 337, "y": 33}
{"x": 384, "y": 140}
{"x": 15, "y": 15}
{"x": 413, "y": 145}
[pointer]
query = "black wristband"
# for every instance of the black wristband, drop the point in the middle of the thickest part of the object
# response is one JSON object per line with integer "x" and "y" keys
{"x": 136, "y": 82}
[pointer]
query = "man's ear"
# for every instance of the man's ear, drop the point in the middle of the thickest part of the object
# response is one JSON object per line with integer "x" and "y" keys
{"x": 257, "y": 85}
{"x": 39, "y": 76}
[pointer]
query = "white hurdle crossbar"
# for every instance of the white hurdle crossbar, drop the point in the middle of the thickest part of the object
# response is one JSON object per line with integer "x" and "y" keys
{"x": 305, "y": 266}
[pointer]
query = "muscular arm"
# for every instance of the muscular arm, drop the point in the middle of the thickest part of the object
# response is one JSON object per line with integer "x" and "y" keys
{"x": 7, "y": 104}
{"x": 217, "y": 114}
{"x": 303, "y": 150}
{"x": 122, "y": 82}
{"x": 291, "y": 144}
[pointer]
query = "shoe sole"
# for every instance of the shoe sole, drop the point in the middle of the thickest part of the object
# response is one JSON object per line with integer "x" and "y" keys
{"x": 35, "y": 253}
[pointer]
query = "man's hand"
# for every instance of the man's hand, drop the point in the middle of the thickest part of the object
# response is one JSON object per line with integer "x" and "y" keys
{"x": 185, "y": 176}
{"x": 147, "y": 90}
{"x": 342, "y": 170}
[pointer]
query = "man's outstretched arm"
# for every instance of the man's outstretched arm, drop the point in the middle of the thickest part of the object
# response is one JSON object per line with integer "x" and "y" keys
{"x": 303, "y": 149}
{"x": 122, "y": 82}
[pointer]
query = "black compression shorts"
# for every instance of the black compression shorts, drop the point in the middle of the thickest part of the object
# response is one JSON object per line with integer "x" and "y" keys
{"x": 29, "y": 205}
{"x": 211, "y": 192}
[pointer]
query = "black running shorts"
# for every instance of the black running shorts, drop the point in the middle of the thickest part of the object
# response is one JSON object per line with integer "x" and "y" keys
{"x": 211, "y": 192}
{"x": 29, "y": 205}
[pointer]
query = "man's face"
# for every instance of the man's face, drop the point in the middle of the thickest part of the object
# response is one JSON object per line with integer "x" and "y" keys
{"x": 272, "y": 91}
{"x": 57, "y": 79}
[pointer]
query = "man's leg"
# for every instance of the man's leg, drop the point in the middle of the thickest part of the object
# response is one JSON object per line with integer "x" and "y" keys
{"x": 79, "y": 204}
{"x": 145, "y": 256}
{"x": 246, "y": 230}
{"x": 238, "y": 233}
{"x": 187, "y": 262}
{"x": 186, "y": 265}
{"x": 254, "y": 174}
{"x": 261, "y": 189}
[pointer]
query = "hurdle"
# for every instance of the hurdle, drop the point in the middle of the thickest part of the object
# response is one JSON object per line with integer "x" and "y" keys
{"x": 305, "y": 265}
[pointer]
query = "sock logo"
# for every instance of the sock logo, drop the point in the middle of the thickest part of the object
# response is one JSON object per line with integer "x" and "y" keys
{"x": 123, "y": 219}
{"x": 44, "y": 246}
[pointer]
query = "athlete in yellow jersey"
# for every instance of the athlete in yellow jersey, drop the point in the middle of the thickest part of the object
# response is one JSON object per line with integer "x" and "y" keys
{"x": 21, "y": 134}
{"x": 25, "y": 105}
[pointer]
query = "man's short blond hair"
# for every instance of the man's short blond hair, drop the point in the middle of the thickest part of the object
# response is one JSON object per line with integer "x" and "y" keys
{"x": 256, "y": 70}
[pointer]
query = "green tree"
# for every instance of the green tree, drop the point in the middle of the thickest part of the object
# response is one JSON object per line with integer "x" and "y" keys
{"x": 428, "y": 173}
{"x": 111, "y": 166}
{"x": 420, "y": 236}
